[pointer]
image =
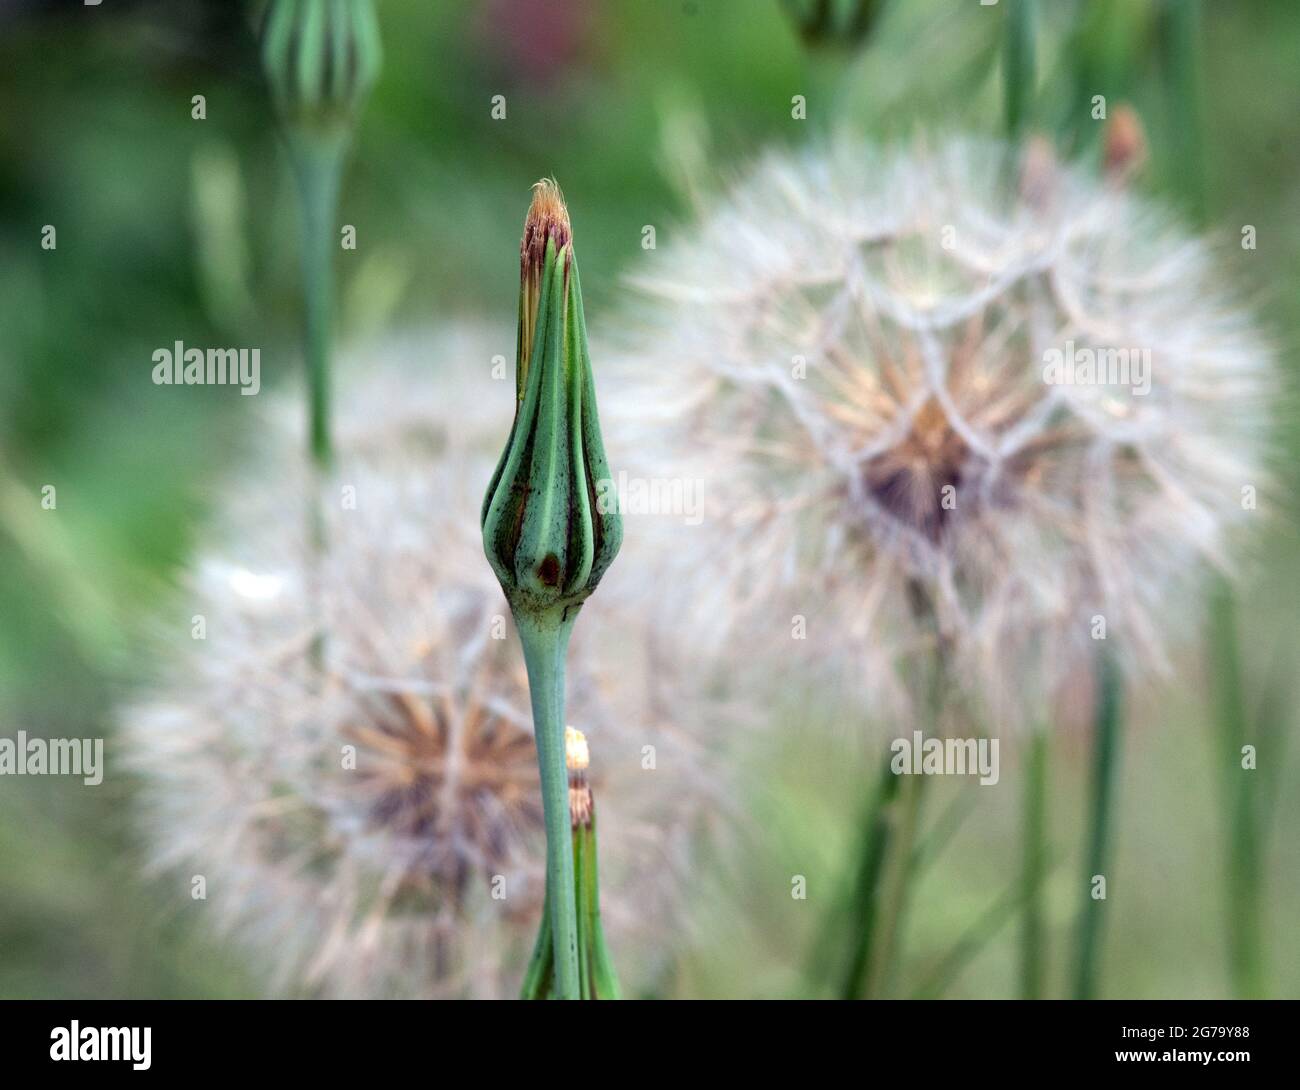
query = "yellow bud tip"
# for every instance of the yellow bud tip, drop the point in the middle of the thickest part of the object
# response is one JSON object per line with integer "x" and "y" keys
{"x": 576, "y": 755}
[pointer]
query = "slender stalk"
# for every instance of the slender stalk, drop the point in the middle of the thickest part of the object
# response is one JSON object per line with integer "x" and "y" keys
{"x": 930, "y": 684}
{"x": 1019, "y": 76}
{"x": 537, "y": 978}
{"x": 604, "y": 978}
{"x": 863, "y": 900}
{"x": 1105, "y": 742}
{"x": 545, "y": 641}
{"x": 1242, "y": 867}
{"x": 1033, "y": 958}
{"x": 887, "y": 859}
{"x": 1182, "y": 33}
{"x": 1018, "y": 64}
{"x": 894, "y": 890}
{"x": 1242, "y": 872}
{"x": 318, "y": 166}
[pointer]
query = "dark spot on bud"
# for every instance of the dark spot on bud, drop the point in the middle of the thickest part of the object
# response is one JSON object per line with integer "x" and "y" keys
{"x": 549, "y": 570}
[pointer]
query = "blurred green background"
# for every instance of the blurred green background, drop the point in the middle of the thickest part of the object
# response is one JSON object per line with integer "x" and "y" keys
{"x": 171, "y": 228}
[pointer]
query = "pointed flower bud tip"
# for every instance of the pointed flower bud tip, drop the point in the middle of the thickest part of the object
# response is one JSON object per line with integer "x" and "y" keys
{"x": 547, "y": 219}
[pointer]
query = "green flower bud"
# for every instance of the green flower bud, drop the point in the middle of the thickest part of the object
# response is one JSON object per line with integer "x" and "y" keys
{"x": 321, "y": 58}
{"x": 549, "y": 530}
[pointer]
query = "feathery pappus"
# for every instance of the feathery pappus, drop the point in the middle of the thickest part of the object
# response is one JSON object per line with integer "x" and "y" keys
{"x": 935, "y": 391}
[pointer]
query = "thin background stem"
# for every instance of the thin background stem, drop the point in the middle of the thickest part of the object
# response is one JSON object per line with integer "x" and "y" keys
{"x": 1242, "y": 864}
{"x": 318, "y": 167}
{"x": 863, "y": 902}
{"x": 895, "y": 888}
{"x": 1018, "y": 73}
{"x": 1106, "y": 743}
{"x": 1243, "y": 868}
{"x": 1182, "y": 34}
{"x": 1033, "y": 952}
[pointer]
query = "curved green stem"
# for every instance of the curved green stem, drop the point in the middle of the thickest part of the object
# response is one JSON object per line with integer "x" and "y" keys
{"x": 545, "y": 641}
{"x": 1105, "y": 742}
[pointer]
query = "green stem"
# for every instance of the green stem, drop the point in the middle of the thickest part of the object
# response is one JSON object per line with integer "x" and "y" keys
{"x": 894, "y": 891}
{"x": 537, "y": 979}
{"x": 545, "y": 641}
{"x": 1242, "y": 870}
{"x": 318, "y": 166}
{"x": 887, "y": 860}
{"x": 863, "y": 900}
{"x": 1032, "y": 951}
{"x": 1018, "y": 70}
{"x": 1105, "y": 742}
{"x": 581, "y": 870}
{"x": 604, "y": 980}
{"x": 1182, "y": 54}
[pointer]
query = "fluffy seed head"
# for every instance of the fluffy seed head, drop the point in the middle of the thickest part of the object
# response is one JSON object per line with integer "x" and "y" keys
{"x": 914, "y": 393}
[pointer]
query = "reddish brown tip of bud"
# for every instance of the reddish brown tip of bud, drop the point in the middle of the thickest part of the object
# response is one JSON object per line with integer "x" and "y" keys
{"x": 547, "y": 218}
{"x": 1125, "y": 143}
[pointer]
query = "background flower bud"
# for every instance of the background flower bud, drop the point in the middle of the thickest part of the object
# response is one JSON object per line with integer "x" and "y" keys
{"x": 321, "y": 58}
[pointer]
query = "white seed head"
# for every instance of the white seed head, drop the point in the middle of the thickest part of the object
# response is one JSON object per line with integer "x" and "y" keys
{"x": 853, "y": 351}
